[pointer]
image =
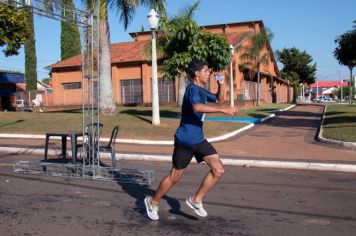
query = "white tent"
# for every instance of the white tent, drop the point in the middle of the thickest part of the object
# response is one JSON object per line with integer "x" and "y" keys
{"x": 328, "y": 92}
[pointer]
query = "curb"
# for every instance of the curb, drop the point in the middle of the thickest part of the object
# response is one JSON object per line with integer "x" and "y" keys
{"x": 226, "y": 161}
{"x": 331, "y": 141}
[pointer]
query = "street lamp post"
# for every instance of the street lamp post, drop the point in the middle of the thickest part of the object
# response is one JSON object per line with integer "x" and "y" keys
{"x": 301, "y": 92}
{"x": 232, "y": 49}
{"x": 342, "y": 97}
{"x": 153, "y": 19}
{"x": 317, "y": 89}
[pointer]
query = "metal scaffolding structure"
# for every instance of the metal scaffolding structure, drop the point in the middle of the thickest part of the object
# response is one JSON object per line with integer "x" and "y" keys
{"x": 122, "y": 175}
{"x": 90, "y": 154}
{"x": 53, "y": 9}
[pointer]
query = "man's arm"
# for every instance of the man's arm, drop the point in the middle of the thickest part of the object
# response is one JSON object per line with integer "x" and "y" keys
{"x": 215, "y": 109}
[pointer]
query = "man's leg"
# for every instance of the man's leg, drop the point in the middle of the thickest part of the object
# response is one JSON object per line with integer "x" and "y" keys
{"x": 166, "y": 183}
{"x": 211, "y": 178}
{"x": 151, "y": 203}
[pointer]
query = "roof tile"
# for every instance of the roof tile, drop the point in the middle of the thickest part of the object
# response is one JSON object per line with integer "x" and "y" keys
{"x": 131, "y": 52}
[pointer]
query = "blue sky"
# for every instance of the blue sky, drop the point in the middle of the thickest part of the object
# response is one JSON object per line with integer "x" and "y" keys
{"x": 310, "y": 25}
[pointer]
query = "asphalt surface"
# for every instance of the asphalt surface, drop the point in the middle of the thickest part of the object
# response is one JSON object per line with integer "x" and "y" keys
{"x": 247, "y": 201}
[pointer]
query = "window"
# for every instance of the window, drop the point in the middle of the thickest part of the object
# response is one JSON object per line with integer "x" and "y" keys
{"x": 48, "y": 90}
{"x": 131, "y": 91}
{"x": 75, "y": 85}
{"x": 166, "y": 91}
{"x": 250, "y": 89}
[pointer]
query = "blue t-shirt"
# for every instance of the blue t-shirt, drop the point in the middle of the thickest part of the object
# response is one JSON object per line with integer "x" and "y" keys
{"x": 190, "y": 130}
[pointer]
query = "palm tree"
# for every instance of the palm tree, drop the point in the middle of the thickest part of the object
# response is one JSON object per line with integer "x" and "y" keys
{"x": 253, "y": 55}
{"x": 126, "y": 9}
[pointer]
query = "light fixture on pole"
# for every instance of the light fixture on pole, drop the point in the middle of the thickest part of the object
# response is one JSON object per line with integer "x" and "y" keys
{"x": 232, "y": 49}
{"x": 153, "y": 19}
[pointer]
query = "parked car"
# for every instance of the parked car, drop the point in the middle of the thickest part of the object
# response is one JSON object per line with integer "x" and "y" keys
{"x": 323, "y": 99}
{"x": 316, "y": 100}
{"x": 327, "y": 100}
{"x": 20, "y": 103}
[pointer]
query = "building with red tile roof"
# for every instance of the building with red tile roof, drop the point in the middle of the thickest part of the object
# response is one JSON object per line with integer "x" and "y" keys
{"x": 131, "y": 72}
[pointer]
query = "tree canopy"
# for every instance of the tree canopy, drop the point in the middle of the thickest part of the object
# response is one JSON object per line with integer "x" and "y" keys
{"x": 13, "y": 29}
{"x": 126, "y": 11}
{"x": 253, "y": 55}
{"x": 181, "y": 40}
{"x": 298, "y": 65}
{"x": 345, "y": 53}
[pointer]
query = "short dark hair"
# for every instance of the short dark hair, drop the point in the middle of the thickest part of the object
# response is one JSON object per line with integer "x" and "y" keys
{"x": 195, "y": 65}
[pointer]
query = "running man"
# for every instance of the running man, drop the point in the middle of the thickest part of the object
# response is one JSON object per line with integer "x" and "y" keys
{"x": 189, "y": 140}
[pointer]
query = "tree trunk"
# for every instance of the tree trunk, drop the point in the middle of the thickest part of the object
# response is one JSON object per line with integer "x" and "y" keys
{"x": 258, "y": 88}
{"x": 30, "y": 57}
{"x": 106, "y": 100}
{"x": 181, "y": 89}
{"x": 352, "y": 84}
{"x": 288, "y": 92}
{"x": 294, "y": 92}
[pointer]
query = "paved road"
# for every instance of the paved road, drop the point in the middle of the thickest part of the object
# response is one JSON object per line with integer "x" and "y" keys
{"x": 248, "y": 201}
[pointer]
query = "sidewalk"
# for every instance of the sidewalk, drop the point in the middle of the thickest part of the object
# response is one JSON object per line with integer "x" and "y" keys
{"x": 286, "y": 140}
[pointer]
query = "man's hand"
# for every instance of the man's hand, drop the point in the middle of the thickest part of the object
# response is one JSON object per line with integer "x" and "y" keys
{"x": 220, "y": 82}
{"x": 231, "y": 111}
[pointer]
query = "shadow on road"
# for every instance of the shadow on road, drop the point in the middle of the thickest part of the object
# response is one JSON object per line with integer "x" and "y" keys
{"x": 139, "y": 192}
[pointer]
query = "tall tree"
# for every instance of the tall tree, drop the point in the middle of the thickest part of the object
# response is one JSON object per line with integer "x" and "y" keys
{"x": 126, "y": 9}
{"x": 298, "y": 67}
{"x": 345, "y": 53}
{"x": 175, "y": 36}
{"x": 70, "y": 37}
{"x": 253, "y": 55}
{"x": 30, "y": 55}
{"x": 14, "y": 29}
{"x": 181, "y": 40}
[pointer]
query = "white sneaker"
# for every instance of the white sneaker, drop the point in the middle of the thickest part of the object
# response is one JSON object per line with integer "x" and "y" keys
{"x": 197, "y": 207}
{"x": 151, "y": 209}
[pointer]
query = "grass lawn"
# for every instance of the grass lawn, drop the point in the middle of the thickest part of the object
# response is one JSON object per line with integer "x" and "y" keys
{"x": 134, "y": 122}
{"x": 340, "y": 122}
{"x": 264, "y": 110}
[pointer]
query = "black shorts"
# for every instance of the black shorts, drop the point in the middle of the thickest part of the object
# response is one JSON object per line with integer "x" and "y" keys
{"x": 182, "y": 155}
